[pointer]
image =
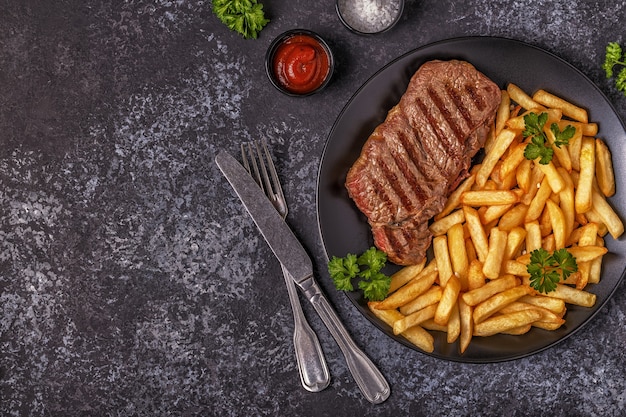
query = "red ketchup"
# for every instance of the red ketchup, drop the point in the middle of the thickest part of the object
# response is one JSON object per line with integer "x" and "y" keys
{"x": 301, "y": 64}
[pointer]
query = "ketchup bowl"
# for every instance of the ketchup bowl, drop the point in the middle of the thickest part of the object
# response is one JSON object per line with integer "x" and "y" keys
{"x": 299, "y": 63}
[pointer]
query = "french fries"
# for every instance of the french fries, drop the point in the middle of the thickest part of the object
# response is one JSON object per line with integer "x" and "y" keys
{"x": 478, "y": 284}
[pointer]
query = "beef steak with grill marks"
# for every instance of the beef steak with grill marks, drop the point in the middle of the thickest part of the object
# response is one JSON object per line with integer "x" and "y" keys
{"x": 414, "y": 159}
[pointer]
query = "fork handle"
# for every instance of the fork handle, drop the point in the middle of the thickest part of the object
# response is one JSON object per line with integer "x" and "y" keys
{"x": 369, "y": 379}
{"x": 314, "y": 373}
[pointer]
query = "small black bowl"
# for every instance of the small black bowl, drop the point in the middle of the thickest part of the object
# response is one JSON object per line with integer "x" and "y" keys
{"x": 355, "y": 16}
{"x": 292, "y": 36}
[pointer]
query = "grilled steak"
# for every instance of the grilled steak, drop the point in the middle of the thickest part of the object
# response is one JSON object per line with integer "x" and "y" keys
{"x": 414, "y": 159}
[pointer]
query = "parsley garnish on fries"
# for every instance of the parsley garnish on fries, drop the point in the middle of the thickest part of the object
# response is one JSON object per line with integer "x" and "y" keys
{"x": 544, "y": 268}
{"x": 539, "y": 146}
{"x": 373, "y": 282}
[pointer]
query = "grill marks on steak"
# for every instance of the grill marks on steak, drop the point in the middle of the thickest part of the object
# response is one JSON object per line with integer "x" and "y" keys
{"x": 420, "y": 153}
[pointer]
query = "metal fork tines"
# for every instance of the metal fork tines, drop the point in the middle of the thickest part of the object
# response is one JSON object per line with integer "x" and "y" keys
{"x": 312, "y": 366}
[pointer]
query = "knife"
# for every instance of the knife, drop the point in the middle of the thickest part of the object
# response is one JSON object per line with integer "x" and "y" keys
{"x": 294, "y": 258}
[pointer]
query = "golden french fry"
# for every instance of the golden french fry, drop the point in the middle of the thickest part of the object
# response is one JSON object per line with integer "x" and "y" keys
{"x": 469, "y": 246}
{"x": 555, "y": 305}
{"x": 593, "y": 216}
{"x": 505, "y": 322}
{"x": 588, "y": 237}
{"x": 575, "y": 143}
{"x": 454, "y": 324}
{"x": 520, "y": 97}
{"x": 533, "y": 236}
{"x": 515, "y": 267}
{"x": 513, "y": 160}
{"x": 573, "y": 296}
{"x": 514, "y": 242}
{"x": 491, "y": 288}
{"x": 503, "y": 112}
{"x": 566, "y": 201}
{"x": 590, "y": 129}
{"x": 430, "y": 297}
{"x": 431, "y": 325}
{"x": 559, "y": 227}
{"x": 523, "y": 176}
{"x": 441, "y": 226}
{"x": 517, "y": 331}
{"x": 454, "y": 200}
{"x": 587, "y": 253}
{"x": 448, "y": 301}
{"x": 539, "y": 201}
{"x": 489, "y": 197}
{"x": 467, "y": 324}
{"x": 416, "y": 334}
{"x": 595, "y": 270}
{"x": 513, "y": 218}
{"x": 412, "y": 289}
{"x": 606, "y": 213}
{"x": 458, "y": 253}
{"x": 493, "y": 213}
{"x": 414, "y": 319}
{"x": 547, "y": 316}
{"x": 477, "y": 232}
{"x": 554, "y": 178}
{"x": 536, "y": 179}
{"x": 475, "y": 276}
{"x": 442, "y": 257}
{"x": 496, "y": 302}
{"x": 569, "y": 109}
{"x": 491, "y": 137}
{"x": 604, "y": 169}
{"x": 497, "y": 247}
{"x": 583, "y": 195}
{"x": 501, "y": 144}
{"x": 405, "y": 275}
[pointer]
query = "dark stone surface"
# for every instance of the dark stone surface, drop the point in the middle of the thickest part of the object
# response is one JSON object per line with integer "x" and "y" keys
{"x": 132, "y": 282}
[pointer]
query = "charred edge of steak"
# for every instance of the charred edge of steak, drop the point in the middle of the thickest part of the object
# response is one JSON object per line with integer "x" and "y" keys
{"x": 420, "y": 153}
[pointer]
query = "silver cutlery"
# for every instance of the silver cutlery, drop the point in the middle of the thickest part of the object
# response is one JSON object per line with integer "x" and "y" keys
{"x": 297, "y": 262}
{"x": 312, "y": 366}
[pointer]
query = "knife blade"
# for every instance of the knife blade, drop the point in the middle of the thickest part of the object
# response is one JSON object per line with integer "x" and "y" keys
{"x": 294, "y": 258}
{"x": 278, "y": 235}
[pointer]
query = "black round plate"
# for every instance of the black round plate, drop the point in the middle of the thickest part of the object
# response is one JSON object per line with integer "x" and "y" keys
{"x": 345, "y": 230}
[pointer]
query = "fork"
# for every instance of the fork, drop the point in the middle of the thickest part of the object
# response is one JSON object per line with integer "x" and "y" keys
{"x": 314, "y": 373}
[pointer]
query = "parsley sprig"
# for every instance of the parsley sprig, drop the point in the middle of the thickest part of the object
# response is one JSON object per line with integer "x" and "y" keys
{"x": 539, "y": 146}
{"x": 615, "y": 56}
{"x": 547, "y": 270}
{"x": 245, "y": 17}
{"x": 367, "y": 267}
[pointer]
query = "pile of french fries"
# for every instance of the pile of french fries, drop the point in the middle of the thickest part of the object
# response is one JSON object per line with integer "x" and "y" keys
{"x": 477, "y": 283}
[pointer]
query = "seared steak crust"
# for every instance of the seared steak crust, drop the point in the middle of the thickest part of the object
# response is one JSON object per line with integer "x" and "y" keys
{"x": 419, "y": 154}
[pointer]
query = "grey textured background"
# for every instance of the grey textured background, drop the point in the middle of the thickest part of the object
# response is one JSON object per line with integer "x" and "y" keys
{"x": 132, "y": 283}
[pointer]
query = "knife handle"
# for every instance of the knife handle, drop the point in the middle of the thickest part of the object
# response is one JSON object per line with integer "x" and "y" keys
{"x": 369, "y": 379}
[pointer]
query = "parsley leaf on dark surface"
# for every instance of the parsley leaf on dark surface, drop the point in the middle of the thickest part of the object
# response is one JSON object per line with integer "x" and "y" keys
{"x": 373, "y": 258}
{"x": 377, "y": 287}
{"x": 245, "y": 17}
{"x": 342, "y": 270}
{"x": 615, "y": 56}
{"x": 367, "y": 267}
